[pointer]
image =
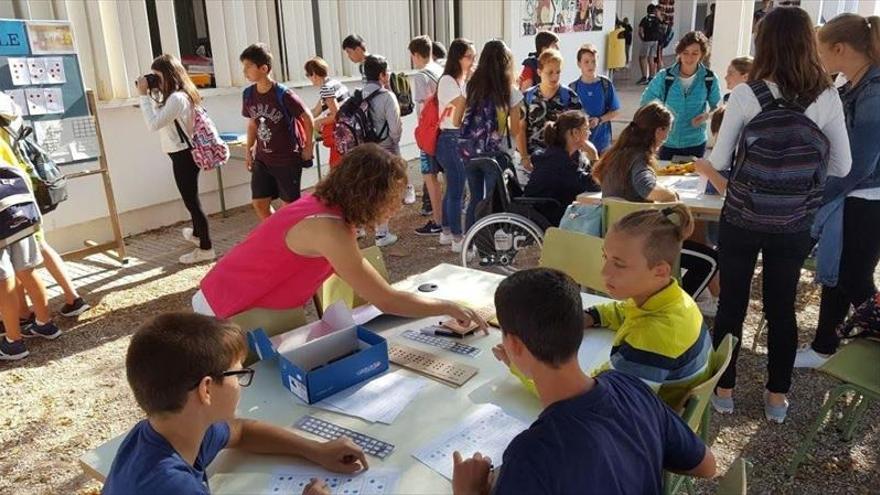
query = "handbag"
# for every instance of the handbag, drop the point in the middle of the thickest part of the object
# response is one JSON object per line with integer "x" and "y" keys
{"x": 584, "y": 219}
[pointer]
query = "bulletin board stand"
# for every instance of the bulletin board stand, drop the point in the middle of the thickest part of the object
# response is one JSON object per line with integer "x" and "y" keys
{"x": 115, "y": 248}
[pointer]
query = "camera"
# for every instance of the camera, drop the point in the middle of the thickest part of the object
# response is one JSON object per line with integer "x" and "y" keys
{"x": 152, "y": 81}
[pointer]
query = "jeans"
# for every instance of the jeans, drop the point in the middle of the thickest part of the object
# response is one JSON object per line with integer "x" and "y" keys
{"x": 783, "y": 256}
{"x": 855, "y": 283}
{"x": 481, "y": 177}
{"x": 666, "y": 153}
{"x": 186, "y": 176}
{"x": 450, "y": 159}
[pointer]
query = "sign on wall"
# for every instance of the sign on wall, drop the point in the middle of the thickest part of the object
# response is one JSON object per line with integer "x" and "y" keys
{"x": 562, "y": 16}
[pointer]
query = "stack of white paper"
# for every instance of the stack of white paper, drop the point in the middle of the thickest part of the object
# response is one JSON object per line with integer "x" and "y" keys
{"x": 381, "y": 399}
{"x": 488, "y": 430}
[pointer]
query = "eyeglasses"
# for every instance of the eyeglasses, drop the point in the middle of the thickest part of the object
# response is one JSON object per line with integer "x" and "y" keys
{"x": 245, "y": 376}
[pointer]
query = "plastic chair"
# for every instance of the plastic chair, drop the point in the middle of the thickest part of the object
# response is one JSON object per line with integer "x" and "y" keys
{"x": 272, "y": 321}
{"x": 735, "y": 481}
{"x": 578, "y": 255}
{"x": 856, "y": 365}
{"x": 696, "y": 412}
{"x": 616, "y": 208}
{"x": 335, "y": 289}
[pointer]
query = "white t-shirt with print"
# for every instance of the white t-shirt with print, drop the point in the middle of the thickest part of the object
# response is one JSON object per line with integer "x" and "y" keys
{"x": 448, "y": 90}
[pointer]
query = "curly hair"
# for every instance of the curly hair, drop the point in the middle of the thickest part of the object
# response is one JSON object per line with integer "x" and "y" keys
{"x": 363, "y": 185}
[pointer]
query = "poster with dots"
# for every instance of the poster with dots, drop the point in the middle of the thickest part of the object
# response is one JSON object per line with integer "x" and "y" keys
{"x": 292, "y": 481}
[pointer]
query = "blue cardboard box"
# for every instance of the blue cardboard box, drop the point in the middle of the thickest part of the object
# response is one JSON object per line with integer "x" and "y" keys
{"x": 325, "y": 357}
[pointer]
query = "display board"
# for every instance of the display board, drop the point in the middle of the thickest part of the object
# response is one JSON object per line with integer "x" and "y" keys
{"x": 39, "y": 70}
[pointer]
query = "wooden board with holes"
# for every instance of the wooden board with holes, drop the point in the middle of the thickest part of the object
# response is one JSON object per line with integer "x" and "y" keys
{"x": 447, "y": 371}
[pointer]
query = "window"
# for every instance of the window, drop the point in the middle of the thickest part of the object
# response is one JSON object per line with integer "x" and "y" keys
{"x": 193, "y": 38}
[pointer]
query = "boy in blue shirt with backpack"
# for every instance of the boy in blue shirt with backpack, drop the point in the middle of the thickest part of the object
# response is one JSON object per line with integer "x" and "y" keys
{"x": 598, "y": 97}
{"x": 609, "y": 434}
{"x": 279, "y": 133}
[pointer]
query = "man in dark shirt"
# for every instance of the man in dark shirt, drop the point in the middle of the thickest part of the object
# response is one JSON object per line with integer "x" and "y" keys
{"x": 609, "y": 434}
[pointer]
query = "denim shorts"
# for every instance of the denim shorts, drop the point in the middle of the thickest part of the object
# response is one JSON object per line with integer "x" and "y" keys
{"x": 429, "y": 164}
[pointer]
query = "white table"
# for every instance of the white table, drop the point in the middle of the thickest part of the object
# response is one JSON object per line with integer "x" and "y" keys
{"x": 703, "y": 206}
{"x": 437, "y": 408}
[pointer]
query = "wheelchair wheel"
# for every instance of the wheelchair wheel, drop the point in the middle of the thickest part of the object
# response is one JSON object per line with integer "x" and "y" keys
{"x": 502, "y": 243}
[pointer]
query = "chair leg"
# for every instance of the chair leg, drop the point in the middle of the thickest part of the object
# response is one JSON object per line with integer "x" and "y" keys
{"x": 762, "y": 325}
{"x": 854, "y": 416}
{"x": 704, "y": 425}
{"x": 820, "y": 418}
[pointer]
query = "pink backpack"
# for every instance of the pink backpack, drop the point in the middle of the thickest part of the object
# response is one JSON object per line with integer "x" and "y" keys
{"x": 208, "y": 150}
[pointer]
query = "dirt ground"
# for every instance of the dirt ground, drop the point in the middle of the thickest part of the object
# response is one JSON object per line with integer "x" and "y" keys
{"x": 71, "y": 395}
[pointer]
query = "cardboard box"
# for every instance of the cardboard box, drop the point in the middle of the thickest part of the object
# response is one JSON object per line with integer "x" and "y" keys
{"x": 324, "y": 357}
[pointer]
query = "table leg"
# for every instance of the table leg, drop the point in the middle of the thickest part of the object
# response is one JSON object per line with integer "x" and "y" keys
{"x": 220, "y": 190}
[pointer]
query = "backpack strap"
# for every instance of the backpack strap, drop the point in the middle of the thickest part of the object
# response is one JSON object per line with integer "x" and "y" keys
{"x": 606, "y": 93}
{"x": 668, "y": 81}
{"x": 762, "y": 93}
{"x": 565, "y": 95}
{"x": 709, "y": 79}
{"x": 529, "y": 95}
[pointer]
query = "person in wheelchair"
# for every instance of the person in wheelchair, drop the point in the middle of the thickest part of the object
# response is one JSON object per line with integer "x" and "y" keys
{"x": 562, "y": 171}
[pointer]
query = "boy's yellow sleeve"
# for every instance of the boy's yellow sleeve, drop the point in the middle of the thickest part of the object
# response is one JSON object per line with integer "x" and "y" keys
{"x": 527, "y": 382}
{"x": 610, "y": 314}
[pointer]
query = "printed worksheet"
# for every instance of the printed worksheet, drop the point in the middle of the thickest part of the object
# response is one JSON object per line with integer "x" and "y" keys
{"x": 55, "y": 70}
{"x": 487, "y": 430}
{"x": 54, "y": 100}
{"x": 18, "y": 70}
{"x": 381, "y": 399}
{"x": 36, "y": 101}
{"x": 293, "y": 479}
{"x": 37, "y": 71}
{"x": 18, "y": 98}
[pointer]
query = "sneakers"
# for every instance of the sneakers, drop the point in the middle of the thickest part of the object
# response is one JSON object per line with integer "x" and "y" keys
{"x": 410, "y": 196}
{"x": 187, "y": 233}
{"x": 722, "y": 405}
{"x": 806, "y": 357}
{"x": 197, "y": 256}
{"x": 386, "y": 240}
{"x": 445, "y": 238}
{"x": 430, "y": 228}
{"x": 707, "y": 303}
{"x": 46, "y": 331}
{"x": 457, "y": 245}
{"x": 22, "y": 323}
{"x": 77, "y": 308}
{"x": 12, "y": 351}
{"x": 775, "y": 414}
{"x": 426, "y": 211}
{"x": 642, "y": 81}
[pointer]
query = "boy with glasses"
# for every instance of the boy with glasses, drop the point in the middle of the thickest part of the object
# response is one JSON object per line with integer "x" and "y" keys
{"x": 186, "y": 373}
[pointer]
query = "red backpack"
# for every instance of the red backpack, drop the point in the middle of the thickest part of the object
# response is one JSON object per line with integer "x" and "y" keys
{"x": 428, "y": 127}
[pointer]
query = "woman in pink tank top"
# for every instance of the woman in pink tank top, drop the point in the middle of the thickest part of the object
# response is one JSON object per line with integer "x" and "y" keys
{"x": 286, "y": 258}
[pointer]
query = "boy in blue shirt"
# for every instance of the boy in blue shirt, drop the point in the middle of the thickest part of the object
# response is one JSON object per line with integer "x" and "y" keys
{"x": 609, "y": 434}
{"x": 185, "y": 371}
{"x": 598, "y": 97}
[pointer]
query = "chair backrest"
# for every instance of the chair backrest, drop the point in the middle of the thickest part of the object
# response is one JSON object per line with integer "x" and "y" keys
{"x": 578, "y": 255}
{"x": 335, "y": 289}
{"x": 617, "y": 208}
{"x": 735, "y": 481}
{"x": 697, "y": 399}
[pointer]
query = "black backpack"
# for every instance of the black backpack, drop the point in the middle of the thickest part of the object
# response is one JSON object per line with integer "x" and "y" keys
{"x": 19, "y": 214}
{"x": 354, "y": 123}
{"x": 669, "y": 80}
{"x": 654, "y": 28}
{"x": 50, "y": 184}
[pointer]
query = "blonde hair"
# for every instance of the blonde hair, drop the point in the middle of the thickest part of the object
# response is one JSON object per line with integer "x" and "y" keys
{"x": 664, "y": 231}
{"x": 861, "y": 33}
{"x": 549, "y": 56}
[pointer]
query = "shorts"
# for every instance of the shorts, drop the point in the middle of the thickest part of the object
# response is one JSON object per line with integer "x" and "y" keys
{"x": 20, "y": 256}
{"x": 649, "y": 49}
{"x": 429, "y": 164}
{"x": 276, "y": 181}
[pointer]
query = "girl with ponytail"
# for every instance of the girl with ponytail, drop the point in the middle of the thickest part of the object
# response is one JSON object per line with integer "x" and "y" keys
{"x": 850, "y": 44}
{"x": 561, "y": 170}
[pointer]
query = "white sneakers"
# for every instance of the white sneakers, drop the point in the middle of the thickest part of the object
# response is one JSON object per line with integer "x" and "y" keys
{"x": 445, "y": 238}
{"x": 386, "y": 240}
{"x": 410, "y": 196}
{"x": 197, "y": 256}
{"x": 806, "y": 357}
{"x": 188, "y": 236}
{"x": 457, "y": 245}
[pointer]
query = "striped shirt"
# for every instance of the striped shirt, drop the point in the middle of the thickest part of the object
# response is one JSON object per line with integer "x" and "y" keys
{"x": 334, "y": 89}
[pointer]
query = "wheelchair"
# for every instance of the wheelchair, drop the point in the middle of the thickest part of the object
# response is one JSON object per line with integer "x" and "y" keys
{"x": 508, "y": 231}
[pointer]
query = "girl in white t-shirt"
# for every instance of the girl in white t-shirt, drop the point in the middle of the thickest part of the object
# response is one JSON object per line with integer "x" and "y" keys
{"x": 788, "y": 64}
{"x": 451, "y": 96}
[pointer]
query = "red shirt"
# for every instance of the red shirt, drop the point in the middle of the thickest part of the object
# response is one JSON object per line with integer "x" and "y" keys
{"x": 275, "y": 145}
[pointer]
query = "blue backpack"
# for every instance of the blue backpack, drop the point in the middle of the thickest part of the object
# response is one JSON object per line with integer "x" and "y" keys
{"x": 19, "y": 213}
{"x": 479, "y": 134}
{"x": 606, "y": 91}
{"x": 777, "y": 182}
{"x": 294, "y": 125}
